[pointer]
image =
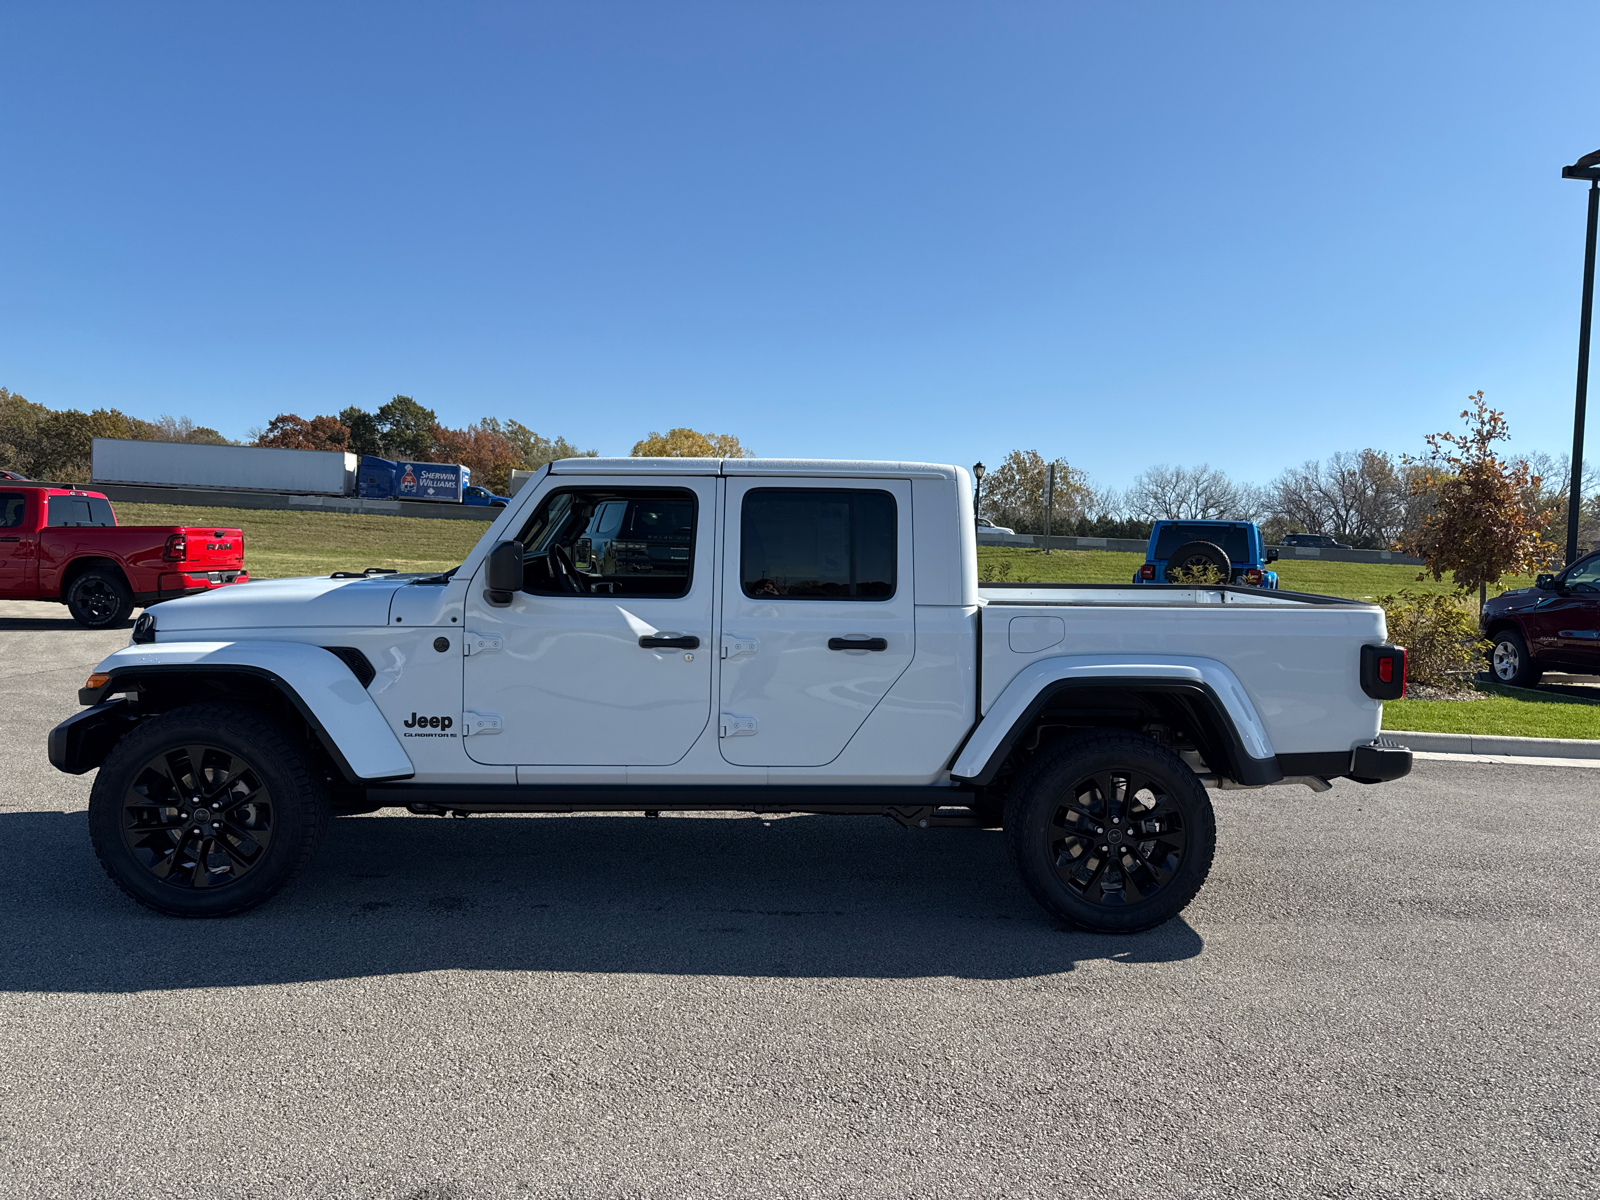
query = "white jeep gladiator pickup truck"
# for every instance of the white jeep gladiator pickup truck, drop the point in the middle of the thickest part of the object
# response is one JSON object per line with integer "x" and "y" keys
{"x": 747, "y": 635}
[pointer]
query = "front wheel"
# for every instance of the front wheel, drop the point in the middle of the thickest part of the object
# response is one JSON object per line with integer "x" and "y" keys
{"x": 1511, "y": 662}
{"x": 206, "y": 811}
{"x": 1110, "y": 832}
{"x": 99, "y": 599}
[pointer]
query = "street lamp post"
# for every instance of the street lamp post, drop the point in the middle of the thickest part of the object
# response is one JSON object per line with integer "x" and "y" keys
{"x": 1587, "y": 167}
{"x": 977, "y": 492}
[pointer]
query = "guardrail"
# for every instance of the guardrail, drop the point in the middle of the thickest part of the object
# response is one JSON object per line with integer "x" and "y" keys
{"x": 1138, "y": 545}
{"x": 218, "y": 498}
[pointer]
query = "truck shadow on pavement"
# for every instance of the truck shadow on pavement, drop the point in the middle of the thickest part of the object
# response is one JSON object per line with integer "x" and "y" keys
{"x": 797, "y": 896}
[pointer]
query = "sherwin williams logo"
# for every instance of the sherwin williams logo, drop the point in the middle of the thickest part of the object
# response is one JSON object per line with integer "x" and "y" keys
{"x": 426, "y": 725}
{"x": 408, "y": 481}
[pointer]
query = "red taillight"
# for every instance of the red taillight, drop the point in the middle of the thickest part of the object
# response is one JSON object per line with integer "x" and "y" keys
{"x": 1253, "y": 577}
{"x": 1402, "y": 673}
{"x": 1148, "y": 571}
{"x": 1386, "y": 669}
{"x": 177, "y": 548}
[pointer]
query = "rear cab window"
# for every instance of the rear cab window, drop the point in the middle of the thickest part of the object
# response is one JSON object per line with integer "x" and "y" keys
{"x": 818, "y": 544}
{"x": 79, "y": 510}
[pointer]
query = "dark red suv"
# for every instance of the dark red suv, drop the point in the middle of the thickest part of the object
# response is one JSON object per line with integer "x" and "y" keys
{"x": 1552, "y": 626}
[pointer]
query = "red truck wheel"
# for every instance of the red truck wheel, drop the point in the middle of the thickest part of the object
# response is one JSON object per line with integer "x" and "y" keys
{"x": 99, "y": 599}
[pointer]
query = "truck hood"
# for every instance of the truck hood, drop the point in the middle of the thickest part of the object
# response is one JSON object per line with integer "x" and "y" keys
{"x": 265, "y": 603}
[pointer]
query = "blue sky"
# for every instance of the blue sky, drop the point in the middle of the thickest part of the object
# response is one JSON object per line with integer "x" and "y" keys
{"x": 1247, "y": 234}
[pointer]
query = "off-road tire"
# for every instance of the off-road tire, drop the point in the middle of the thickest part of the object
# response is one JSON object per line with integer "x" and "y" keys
{"x": 1045, "y": 828}
{"x": 99, "y": 598}
{"x": 1198, "y": 554}
{"x": 236, "y": 740}
{"x": 1510, "y": 663}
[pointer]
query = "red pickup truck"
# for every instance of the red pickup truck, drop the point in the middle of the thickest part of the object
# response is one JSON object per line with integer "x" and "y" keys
{"x": 66, "y": 545}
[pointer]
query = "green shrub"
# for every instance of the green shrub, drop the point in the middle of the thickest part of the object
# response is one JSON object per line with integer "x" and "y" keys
{"x": 1440, "y": 636}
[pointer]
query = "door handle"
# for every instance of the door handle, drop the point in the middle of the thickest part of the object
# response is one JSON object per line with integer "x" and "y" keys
{"x": 665, "y": 642}
{"x": 10, "y": 539}
{"x": 859, "y": 643}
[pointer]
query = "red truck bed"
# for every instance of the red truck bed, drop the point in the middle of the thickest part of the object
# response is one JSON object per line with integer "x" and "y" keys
{"x": 65, "y": 545}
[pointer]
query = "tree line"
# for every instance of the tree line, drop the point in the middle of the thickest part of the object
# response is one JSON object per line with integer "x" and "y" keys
{"x": 1370, "y": 498}
{"x": 492, "y": 448}
{"x": 44, "y": 443}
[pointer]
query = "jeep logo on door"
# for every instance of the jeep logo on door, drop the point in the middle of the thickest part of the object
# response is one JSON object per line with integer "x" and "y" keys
{"x": 422, "y": 723}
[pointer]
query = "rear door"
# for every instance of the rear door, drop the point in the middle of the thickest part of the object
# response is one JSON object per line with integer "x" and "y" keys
{"x": 19, "y": 561}
{"x": 818, "y": 614}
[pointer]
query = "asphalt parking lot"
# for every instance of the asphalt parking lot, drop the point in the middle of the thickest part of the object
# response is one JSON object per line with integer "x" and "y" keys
{"x": 1385, "y": 990}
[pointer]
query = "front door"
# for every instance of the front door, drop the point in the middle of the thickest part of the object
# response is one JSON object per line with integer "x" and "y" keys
{"x": 818, "y": 616}
{"x": 19, "y": 560}
{"x": 604, "y": 659}
{"x": 1579, "y": 624}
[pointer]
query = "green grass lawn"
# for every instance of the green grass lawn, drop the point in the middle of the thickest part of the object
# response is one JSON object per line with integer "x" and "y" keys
{"x": 1356, "y": 581}
{"x": 279, "y": 544}
{"x": 1523, "y": 714}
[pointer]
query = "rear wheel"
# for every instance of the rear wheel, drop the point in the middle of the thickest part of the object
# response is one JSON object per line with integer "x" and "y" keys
{"x": 1510, "y": 661}
{"x": 1110, "y": 832}
{"x": 99, "y": 598}
{"x": 1195, "y": 561}
{"x": 206, "y": 811}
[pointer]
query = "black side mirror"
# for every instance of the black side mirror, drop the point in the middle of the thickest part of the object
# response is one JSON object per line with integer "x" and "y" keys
{"x": 1272, "y": 556}
{"x": 504, "y": 573}
{"x": 1545, "y": 583}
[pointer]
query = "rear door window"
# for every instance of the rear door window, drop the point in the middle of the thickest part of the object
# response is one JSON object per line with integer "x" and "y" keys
{"x": 13, "y": 508}
{"x": 818, "y": 544}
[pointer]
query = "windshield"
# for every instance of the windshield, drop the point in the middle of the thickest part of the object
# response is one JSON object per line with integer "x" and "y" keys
{"x": 1234, "y": 539}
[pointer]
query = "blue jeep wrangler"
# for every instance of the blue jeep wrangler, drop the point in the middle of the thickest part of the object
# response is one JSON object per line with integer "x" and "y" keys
{"x": 1232, "y": 549}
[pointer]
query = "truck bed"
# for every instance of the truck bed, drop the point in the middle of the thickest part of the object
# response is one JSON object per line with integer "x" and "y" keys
{"x": 1294, "y": 654}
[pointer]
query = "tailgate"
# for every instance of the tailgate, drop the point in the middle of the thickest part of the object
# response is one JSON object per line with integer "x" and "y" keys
{"x": 212, "y": 549}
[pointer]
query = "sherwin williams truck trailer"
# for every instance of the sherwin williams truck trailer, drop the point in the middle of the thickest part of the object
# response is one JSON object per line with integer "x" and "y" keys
{"x": 381, "y": 479}
{"x": 235, "y": 468}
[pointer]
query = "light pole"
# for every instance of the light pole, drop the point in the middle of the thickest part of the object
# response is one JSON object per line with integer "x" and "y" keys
{"x": 977, "y": 492}
{"x": 1587, "y": 167}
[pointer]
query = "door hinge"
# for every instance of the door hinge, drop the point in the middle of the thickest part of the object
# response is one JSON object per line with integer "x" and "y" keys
{"x": 732, "y": 726}
{"x": 733, "y": 645}
{"x": 483, "y": 643}
{"x": 472, "y": 723}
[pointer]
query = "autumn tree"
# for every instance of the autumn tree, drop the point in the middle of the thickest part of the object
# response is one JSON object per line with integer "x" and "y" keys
{"x": 533, "y": 451}
{"x": 1482, "y": 525}
{"x": 287, "y": 431}
{"x": 489, "y": 455}
{"x": 686, "y": 443}
{"x": 1013, "y": 493}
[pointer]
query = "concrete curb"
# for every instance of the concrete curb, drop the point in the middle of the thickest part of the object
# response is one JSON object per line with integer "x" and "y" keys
{"x": 1512, "y": 747}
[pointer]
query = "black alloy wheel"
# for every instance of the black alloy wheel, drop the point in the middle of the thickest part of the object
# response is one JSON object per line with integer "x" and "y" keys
{"x": 99, "y": 599}
{"x": 206, "y": 811}
{"x": 197, "y": 816}
{"x": 1110, "y": 831}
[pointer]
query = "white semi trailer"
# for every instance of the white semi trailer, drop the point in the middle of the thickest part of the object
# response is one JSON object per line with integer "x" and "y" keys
{"x": 235, "y": 468}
